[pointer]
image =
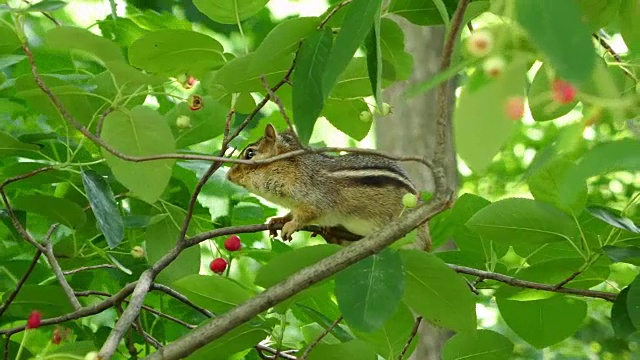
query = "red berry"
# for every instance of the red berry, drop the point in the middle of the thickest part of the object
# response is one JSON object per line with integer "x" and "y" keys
{"x": 218, "y": 265}
{"x": 233, "y": 243}
{"x": 563, "y": 91}
{"x": 34, "y": 320}
{"x": 514, "y": 107}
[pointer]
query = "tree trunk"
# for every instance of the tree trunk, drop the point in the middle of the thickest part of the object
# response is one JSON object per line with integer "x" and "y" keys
{"x": 411, "y": 130}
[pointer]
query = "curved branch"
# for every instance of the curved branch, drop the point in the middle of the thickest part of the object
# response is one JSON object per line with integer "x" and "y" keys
{"x": 532, "y": 285}
{"x": 20, "y": 283}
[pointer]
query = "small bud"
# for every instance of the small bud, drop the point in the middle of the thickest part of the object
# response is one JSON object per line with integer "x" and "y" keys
{"x": 366, "y": 116}
{"x": 218, "y": 265}
{"x": 233, "y": 243}
{"x": 563, "y": 91}
{"x": 137, "y": 252}
{"x": 33, "y": 322}
{"x": 409, "y": 200}
{"x": 183, "y": 122}
{"x": 56, "y": 338}
{"x": 93, "y": 355}
{"x": 493, "y": 66}
{"x": 514, "y": 107}
{"x": 195, "y": 102}
{"x": 189, "y": 83}
{"x": 480, "y": 43}
{"x": 385, "y": 109}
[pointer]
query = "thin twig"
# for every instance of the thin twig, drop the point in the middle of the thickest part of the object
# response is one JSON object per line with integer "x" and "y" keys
{"x": 80, "y": 313}
{"x": 271, "y": 350}
{"x": 276, "y": 100}
{"x": 20, "y": 283}
{"x": 57, "y": 270}
{"x": 568, "y": 279}
{"x": 169, "y": 291}
{"x": 46, "y": 14}
{"x": 413, "y": 334}
{"x": 145, "y": 335}
{"x": 605, "y": 45}
{"x": 532, "y": 285}
{"x": 145, "y": 307}
{"x": 333, "y": 12}
{"x": 317, "y": 340}
{"x": 104, "y": 114}
{"x": 92, "y": 267}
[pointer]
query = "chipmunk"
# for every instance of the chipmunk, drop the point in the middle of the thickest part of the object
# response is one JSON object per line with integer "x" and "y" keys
{"x": 359, "y": 192}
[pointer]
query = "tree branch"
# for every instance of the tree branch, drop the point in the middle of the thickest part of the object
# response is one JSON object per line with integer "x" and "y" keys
{"x": 57, "y": 270}
{"x": 443, "y": 129}
{"x": 299, "y": 281}
{"x": 413, "y": 334}
{"x": 532, "y": 285}
{"x": 92, "y": 267}
{"x": 317, "y": 340}
{"x": 20, "y": 283}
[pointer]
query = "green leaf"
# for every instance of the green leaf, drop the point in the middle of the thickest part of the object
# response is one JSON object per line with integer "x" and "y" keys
{"x": 345, "y": 116}
{"x": 355, "y": 27}
{"x": 478, "y": 345}
{"x": 8, "y": 39}
{"x": 572, "y": 55}
{"x": 545, "y": 322}
{"x": 392, "y": 46}
{"x": 12, "y": 146}
{"x": 598, "y": 13}
{"x": 633, "y": 302}
{"x": 374, "y": 59}
{"x": 541, "y": 103}
{"x": 307, "y": 92}
{"x": 613, "y": 218}
{"x": 544, "y": 184}
{"x": 139, "y": 132}
{"x": 46, "y": 5}
{"x": 338, "y": 331}
{"x": 620, "y": 320}
{"x": 423, "y": 12}
{"x": 284, "y": 265}
{"x": 481, "y": 124}
{"x": 629, "y": 28}
{"x": 71, "y": 350}
{"x": 283, "y": 40}
{"x": 66, "y": 37}
{"x": 234, "y": 77}
{"x": 205, "y": 123}
{"x": 355, "y": 349}
{"x": 161, "y": 237}
{"x": 603, "y": 158}
{"x": 391, "y": 338}
{"x": 626, "y": 254}
{"x": 215, "y": 293}
{"x": 241, "y": 338}
{"x": 369, "y": 291}
{"x": 50, "y": 300}
{"x": 58, "y": 210}
{"x": 229, "y": 11}
{"x": 436, "y": 292}
{"x": 104, "y": 207}
{"x": 518, "y": 221}
{"x": 74, "y": 99}
{"x": 175, "y": 51}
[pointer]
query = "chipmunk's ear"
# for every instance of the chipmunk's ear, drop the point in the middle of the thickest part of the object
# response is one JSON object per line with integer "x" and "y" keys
{"x": 270, "y": 133}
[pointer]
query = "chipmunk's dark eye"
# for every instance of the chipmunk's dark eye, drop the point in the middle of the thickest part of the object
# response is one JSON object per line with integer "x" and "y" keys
{"x": 249, "y": 154}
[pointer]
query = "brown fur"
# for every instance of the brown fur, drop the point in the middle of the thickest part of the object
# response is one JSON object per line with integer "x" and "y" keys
{"x": 361, "y": 192}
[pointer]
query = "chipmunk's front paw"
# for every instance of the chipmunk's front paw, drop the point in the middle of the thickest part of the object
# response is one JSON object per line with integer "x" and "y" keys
{"x": 288, "y": 229}
{"x": 275, "y": 221}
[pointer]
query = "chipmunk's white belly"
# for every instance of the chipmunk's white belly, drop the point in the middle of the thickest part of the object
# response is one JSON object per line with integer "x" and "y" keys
{"x": 355, "y": 225}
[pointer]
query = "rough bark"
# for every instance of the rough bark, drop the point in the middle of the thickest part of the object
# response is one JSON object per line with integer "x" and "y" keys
{"x": 410, "y": 130}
